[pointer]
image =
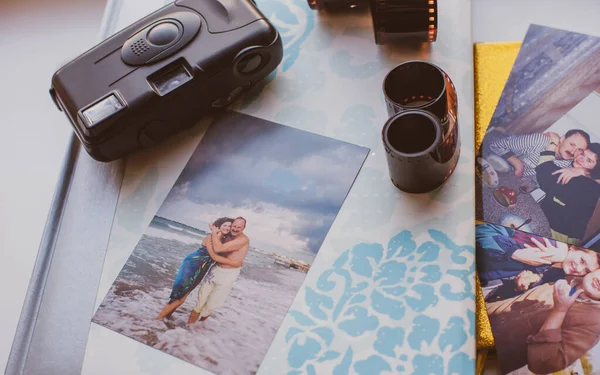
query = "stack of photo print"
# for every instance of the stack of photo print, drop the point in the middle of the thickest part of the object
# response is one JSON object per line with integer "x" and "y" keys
{"x": 538, "y": 211}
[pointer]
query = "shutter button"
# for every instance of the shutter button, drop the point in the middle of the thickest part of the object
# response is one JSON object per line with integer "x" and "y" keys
{"x": 163, "y": 34}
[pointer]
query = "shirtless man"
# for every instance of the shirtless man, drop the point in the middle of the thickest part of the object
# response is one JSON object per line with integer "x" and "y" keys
{"x": 216, "y": 287}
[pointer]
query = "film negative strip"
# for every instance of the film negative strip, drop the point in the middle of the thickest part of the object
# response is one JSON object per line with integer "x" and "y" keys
{"x": 393, "y": 20}
{"x": 335, "y": 4}
{"x": 412, "y": 20}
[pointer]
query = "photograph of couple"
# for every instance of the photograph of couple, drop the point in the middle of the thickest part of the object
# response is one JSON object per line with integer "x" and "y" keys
{"x": 218, "y": 267}
{"x": 543, "y": 301}
{"x": 221, "y": 256}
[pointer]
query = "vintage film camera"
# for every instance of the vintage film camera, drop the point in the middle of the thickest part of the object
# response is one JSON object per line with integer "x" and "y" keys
{"x": 393, "y": 20}
{"x": 162, "y": 73}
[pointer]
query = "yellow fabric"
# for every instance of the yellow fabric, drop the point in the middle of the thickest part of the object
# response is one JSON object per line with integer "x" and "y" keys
{"x": 492, "y": 65}
{"x": 485, "y": 340}
{"x": 481, "y": 358}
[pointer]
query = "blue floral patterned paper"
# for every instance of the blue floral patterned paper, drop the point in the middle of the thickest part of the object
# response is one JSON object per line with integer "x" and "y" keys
{"x": 378, "y": 310}
{"x": 392, "y": 288}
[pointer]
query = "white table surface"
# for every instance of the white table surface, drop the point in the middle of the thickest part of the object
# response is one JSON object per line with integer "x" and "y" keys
{"x": 36, "y": 37}
{"x": 33, "y": 143}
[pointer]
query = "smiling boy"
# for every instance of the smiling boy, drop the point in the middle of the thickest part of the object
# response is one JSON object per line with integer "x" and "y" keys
{"x": 522, "y": 261}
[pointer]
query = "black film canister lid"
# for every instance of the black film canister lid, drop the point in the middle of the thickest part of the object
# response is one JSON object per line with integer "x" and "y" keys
{"x": 413, "y": 140}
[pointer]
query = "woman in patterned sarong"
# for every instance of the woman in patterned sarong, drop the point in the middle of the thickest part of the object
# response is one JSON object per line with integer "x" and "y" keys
{"x": 196, "y": 266}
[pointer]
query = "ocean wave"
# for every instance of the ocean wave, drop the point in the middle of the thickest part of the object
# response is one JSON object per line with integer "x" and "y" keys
{"x": 182, "y": 235}
{"x": 192, "y": 233}
{"x": 175, "y": 227}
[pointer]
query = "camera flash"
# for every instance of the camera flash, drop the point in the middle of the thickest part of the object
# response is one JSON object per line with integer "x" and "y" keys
{"x": 102, "y": 109}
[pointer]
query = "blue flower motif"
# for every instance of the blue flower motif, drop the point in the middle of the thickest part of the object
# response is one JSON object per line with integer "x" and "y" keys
{"x": 342, "y": 64}
{"x": 360, "y": 323}
{"x": 309, "y": 346}
{"x": 391, "y": 281}
{"x": 295, "y": 21}
{"x": 369, "y": 284}
{"x": 388, "y": 338}
{"x": 374, "y": 365}
{"x": 424, "y": 330}
{"x": 359, "y": 125}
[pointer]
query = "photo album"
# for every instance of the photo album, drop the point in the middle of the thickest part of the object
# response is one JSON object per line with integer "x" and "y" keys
{"x": 217, "y": 269}
{"x": 538, "y": 211}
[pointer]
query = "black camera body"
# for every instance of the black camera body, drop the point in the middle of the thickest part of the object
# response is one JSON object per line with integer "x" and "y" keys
{"x": 161, "y": 74}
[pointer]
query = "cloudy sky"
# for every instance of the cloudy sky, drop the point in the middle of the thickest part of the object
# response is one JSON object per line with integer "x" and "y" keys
{"x": 289, "y": 184}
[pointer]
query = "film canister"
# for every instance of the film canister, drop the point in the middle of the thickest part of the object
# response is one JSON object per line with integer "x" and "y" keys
{"x": 421, "y": 137}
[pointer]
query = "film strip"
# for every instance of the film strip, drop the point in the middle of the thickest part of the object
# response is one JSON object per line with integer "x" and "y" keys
{"x": 415, "y": 20}
{"x": 335, "y": 4}
{"x": 406, "y": 20}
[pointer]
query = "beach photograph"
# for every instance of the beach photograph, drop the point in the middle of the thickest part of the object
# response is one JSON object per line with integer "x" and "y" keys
{"x": 217, "y": 269}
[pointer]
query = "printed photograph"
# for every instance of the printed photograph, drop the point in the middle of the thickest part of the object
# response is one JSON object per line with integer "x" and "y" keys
{"x": 543, "y": 301}
{"x": 218, "y": 267}
{"x": 537, "y": 196}
{"x": 539, "y": 163}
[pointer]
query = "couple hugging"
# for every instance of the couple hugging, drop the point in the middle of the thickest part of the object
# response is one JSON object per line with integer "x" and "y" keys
{"x": 546, "y": 313}
{"x": 215, "y": 265}
{"x": 566, "y": 168}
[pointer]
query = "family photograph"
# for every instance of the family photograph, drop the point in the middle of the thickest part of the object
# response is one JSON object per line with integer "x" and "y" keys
{"x": 220, "y": 264}
{"x": 543, "y": 301}
{"x": 545, "y": 183}
{"x": 538, "y": 164}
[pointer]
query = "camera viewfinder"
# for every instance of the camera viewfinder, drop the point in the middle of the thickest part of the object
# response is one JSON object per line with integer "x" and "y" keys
{"x": 165, "y": 81}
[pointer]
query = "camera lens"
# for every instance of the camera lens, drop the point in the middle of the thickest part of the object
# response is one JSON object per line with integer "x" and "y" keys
{"x": 249, "y": 63}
